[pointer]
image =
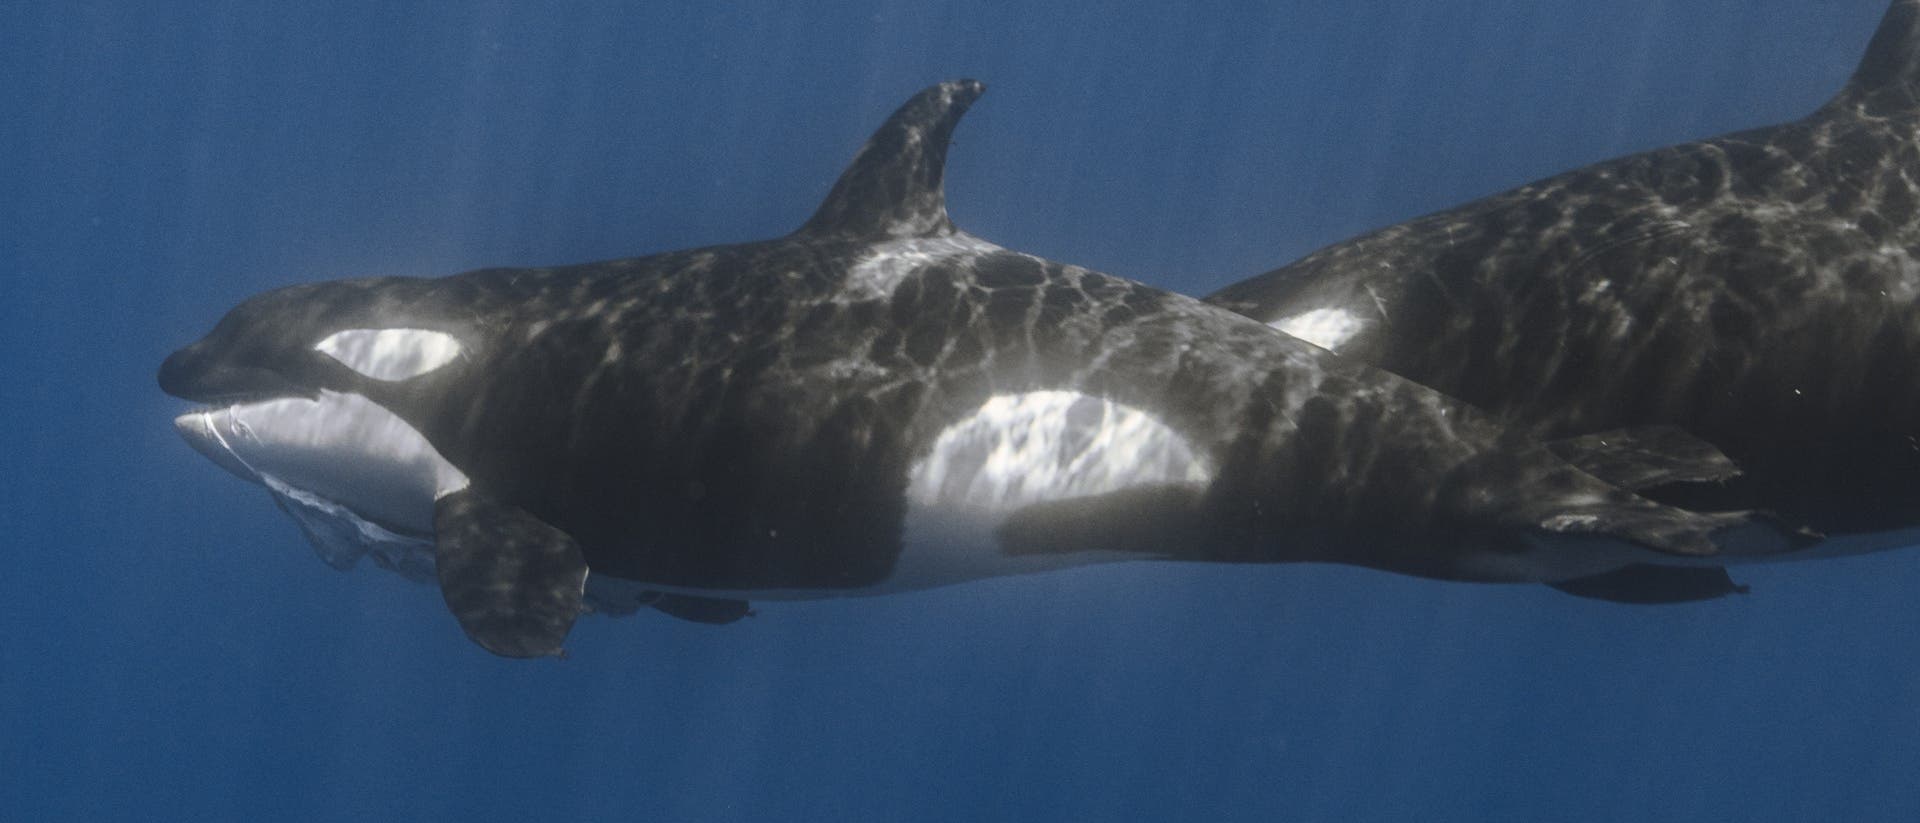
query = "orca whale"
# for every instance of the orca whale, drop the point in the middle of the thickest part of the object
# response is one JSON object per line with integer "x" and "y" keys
{"x": 879, "y": 402}
{"x": 1759, "y": 290}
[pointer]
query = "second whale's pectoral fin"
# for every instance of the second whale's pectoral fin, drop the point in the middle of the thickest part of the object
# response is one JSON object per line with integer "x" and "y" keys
{"x": 1651, "y": 584}
{"x": 1646, "y": 457}
{"x": 514, "y": 582}
{"x": 717, "y": 611}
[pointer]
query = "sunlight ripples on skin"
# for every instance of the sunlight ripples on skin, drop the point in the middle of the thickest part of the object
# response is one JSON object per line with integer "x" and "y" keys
{"x": 1018, "y": 449}
{"x": 1326, "y": 328}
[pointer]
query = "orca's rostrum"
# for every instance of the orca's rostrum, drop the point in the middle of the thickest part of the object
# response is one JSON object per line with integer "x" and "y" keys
{"x": 877, "y": 402}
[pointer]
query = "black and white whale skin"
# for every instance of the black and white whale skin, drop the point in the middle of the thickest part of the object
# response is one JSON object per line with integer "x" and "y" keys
{"x": 873, "y": 403}
{"x": 1759, "y": 290}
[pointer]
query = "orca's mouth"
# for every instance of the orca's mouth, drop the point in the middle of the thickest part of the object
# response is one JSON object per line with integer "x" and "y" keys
{"x": 213, "y": 405}
{"x": 216, "y": 401}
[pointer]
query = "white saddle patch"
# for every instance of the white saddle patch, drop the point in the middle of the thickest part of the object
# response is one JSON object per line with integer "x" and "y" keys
{"x": 391, "y": 354}
{"x": 1326, "y": 328}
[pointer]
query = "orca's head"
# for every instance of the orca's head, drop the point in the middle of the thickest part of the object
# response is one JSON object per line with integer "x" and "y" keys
{"x": 375, "y": 336}
{"x": 315, "y": 391}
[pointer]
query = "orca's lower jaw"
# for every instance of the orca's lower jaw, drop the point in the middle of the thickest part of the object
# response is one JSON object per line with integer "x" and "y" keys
{"x": 357, "y": 479}
{"x": 336, "y": 446}
{"x": 201, "y": 429}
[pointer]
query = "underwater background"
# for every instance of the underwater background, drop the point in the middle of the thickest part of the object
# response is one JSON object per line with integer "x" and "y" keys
{"x": 170, "y": 649}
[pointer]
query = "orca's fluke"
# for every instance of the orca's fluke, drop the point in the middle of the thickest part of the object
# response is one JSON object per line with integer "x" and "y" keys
{"x": 1888, "y": 79}
{"x": 893, "y": 188}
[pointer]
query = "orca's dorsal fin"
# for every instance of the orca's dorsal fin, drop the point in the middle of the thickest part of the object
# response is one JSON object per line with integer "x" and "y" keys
{"x": 893, "y": 188}
{"x": 1887, "y": 81}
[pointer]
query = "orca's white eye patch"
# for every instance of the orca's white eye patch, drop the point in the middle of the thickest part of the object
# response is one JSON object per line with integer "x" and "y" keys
{"x": 391, "y": 354}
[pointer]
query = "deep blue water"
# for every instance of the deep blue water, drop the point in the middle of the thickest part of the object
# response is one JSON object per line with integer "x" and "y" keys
{"x": 170, "y": 648}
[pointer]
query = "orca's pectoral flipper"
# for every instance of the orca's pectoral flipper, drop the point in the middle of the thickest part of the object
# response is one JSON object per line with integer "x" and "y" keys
{"x": 1887, "y": 82}
{"x": 716, "y": 611}
{"x": 1651, "y": 584}
{"x": 514, "y": 582}
{"x": 893, "y": 188}
{"x": 1646, "y": 457}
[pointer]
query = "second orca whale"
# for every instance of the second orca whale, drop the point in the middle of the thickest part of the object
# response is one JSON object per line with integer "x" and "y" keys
{"x": 876, "y": 402}
{"x": 1759, "y": 290}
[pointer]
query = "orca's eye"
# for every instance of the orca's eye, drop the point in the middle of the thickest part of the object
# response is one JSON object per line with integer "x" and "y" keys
{"x": 390, "y": 354}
